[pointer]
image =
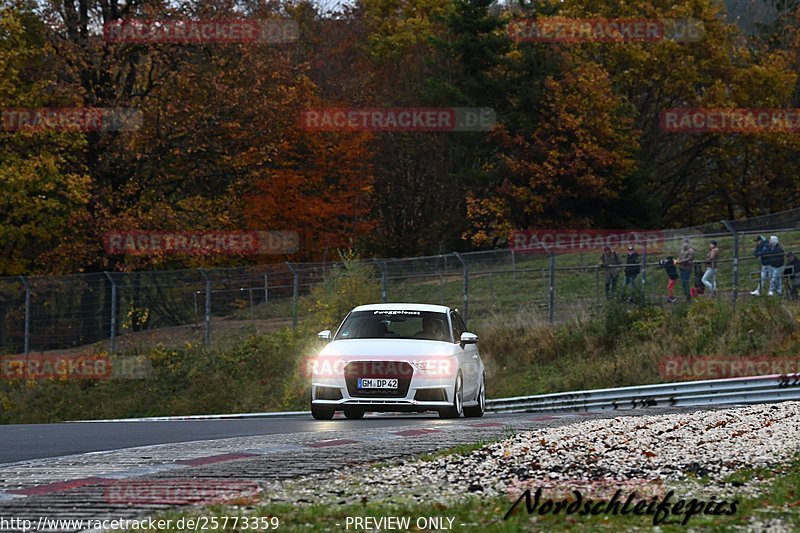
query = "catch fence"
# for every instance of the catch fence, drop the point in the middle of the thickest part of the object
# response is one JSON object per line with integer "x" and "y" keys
{"x": 121, "y": 312}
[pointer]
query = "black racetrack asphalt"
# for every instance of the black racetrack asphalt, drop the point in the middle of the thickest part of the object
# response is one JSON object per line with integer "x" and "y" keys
{"x": 34, "y": 441}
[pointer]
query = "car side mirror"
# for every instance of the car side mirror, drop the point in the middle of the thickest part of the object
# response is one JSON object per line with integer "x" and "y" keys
{"x": 324, "y": 335}
{"x": 468, "y": 338}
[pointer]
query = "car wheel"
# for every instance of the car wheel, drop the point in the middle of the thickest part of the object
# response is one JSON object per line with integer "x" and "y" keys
{"x": 479, "y": 409}
{"x": 458, "y": 401}
{"x": 322, "y": 412}
{"x": 353, "y": 412}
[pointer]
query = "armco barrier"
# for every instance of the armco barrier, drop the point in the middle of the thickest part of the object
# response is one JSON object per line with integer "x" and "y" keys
{"x": 755, "y": 389}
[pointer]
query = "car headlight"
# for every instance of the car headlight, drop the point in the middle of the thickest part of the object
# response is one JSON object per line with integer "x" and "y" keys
{"x": 439, "y": 367}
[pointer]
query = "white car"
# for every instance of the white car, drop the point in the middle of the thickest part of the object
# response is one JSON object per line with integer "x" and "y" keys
{"x": 399, "y": 358}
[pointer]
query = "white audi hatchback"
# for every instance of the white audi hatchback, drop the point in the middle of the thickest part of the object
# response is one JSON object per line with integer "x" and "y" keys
{"x": 399, "y": 358}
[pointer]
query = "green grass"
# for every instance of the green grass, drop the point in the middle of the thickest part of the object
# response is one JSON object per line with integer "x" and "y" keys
{"x": 780, "y": 499}
{"x": 613, "y": 346}
{"x": 461, "y": 449}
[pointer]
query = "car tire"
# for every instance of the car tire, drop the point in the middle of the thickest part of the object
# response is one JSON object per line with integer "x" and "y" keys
{"x": 478, "y": 410}
{"x": 353, "y": 413}
{"x": 458, "y": 400}
{"x": 322, "y": 412}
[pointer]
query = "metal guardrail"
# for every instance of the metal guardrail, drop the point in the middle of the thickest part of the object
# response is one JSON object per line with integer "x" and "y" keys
{"x": 755, "y": 389}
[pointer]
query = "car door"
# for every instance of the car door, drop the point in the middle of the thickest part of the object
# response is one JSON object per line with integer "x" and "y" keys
{"x": 468, "y": 357}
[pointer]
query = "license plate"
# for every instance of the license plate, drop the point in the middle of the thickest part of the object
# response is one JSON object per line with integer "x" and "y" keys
{"x": 377, "y": 383}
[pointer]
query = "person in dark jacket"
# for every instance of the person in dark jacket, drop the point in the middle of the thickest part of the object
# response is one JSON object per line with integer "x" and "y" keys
{"x": 761, "y": 248}
{"x": 699, "y": 287}
{"x": 610, "y": 263}
{"x": 774, "y": 255}
{"x": 792, "y": 273}
{"x": 668, "y": 264}
{"x": 632, "y": 268}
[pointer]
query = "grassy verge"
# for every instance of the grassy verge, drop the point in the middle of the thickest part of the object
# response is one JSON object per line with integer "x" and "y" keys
{"x": 779, "y": 501}
{"x": 610, "y": 347}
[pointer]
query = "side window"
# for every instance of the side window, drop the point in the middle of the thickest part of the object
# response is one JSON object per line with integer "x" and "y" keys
{"x": 458, "y": 326}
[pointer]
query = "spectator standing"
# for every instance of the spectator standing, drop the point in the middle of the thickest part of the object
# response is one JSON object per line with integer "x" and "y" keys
{"x": 684, "y": 263}
{"x": 712, "y": 265}
{"x": 632, "y": 268}
{"x": 792, "y": 272}
{"x": 668, "y": 265}
{"x": 699, "y": 287}
{"x": 610, "y": 263}
{"x": 761, "y": 248}
{"x": 774, "y": 254}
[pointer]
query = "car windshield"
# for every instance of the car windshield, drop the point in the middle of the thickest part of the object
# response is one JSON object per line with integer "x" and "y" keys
{"x": 395, "y": 324}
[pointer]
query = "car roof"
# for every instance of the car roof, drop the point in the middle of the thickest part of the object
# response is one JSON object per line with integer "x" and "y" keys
{"x": 401, "y": 306}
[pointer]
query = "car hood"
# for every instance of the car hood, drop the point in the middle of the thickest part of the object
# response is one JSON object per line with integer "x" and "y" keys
{"x": 393, "y": 349}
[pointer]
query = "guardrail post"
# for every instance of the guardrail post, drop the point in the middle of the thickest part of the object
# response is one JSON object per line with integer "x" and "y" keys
{"x": 207, "y": 334}
{"x": 466, "y": 285}
{"x": 113, "y": 332}
{"x": 735, "y": 235}
{"x": 27, "y": 339}
{"x": 384, "y": 280}
{"x": 266, "y": 288}
{"x": 295, "y": 293}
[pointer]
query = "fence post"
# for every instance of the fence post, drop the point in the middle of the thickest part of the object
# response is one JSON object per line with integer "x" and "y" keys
{"x": 295, "y": 293}
{"x": 466, "y": 285}
{"x": 513, "y": 265}
{"x": 384, "y": 280}
{"x": 551, "y": 304}
{"x": 597, "y": 283}
{"x": 27, "y": 339}
{"x": 113, "y": 311}
{"x": 735, "y": 235}
{"x": 644, "y": 273}
{"x": 551, "y": 300}
{"x": 266, "y": 288}
{"x": 207, "y": 335}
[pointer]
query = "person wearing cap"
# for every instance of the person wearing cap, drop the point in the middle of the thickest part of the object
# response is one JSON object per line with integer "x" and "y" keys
{"x": 775, "y": 256}
{"x": 712, "y": 265}
{"x": 610, "y": 263}
{"x": 632, "y": 268}
{"x": 684, "y": 263}
{"x": 761, "y": 248}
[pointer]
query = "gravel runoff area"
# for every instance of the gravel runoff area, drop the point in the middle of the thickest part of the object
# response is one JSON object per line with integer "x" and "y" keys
{"x": 691, "y": 453}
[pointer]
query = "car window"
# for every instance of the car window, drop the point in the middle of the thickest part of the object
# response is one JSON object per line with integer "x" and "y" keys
{"x": 395, "y": 324}
{"x": 458, "y": 326}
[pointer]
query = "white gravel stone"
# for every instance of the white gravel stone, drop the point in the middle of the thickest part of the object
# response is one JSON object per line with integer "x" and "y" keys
{"x": 691, "y": 453}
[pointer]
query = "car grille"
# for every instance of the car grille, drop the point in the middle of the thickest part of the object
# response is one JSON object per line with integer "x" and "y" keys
{"x": 378, "y": 369}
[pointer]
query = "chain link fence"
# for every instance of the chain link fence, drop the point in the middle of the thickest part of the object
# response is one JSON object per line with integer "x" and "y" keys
{"x": 121, "y": 312}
